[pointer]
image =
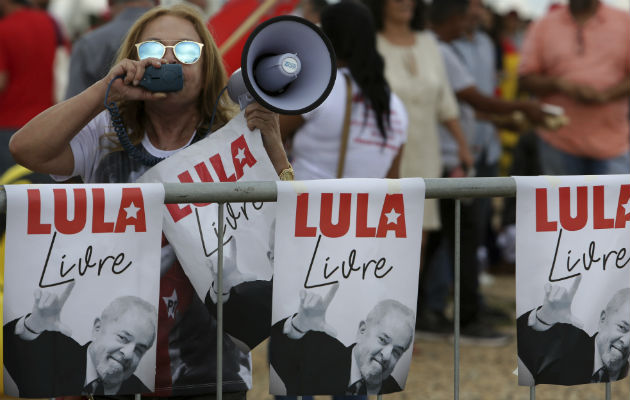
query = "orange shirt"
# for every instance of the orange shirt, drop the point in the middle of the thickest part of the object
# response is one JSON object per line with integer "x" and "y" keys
{"x": 597, "y": 55}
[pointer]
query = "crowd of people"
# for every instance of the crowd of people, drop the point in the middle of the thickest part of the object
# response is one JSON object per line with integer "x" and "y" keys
{"x": 435, "y": 83}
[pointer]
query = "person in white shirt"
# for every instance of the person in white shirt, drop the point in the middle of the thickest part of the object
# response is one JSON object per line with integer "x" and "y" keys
{"x": 378, "y": 120}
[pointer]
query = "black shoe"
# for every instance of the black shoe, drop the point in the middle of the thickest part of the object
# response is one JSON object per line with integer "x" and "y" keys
{"x": 495, "y": 315}
{"x": 433, "y": 325}
{"x": 477, "y": 333}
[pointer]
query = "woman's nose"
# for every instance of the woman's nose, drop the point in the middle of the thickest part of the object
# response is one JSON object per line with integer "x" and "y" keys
{"x": 169, "y": 55}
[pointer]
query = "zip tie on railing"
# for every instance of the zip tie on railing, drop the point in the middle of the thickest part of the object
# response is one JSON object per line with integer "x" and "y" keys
{"x": 457, "y": 298}
{"x": 436, "y": 188}
{"x": 220, "y": 243}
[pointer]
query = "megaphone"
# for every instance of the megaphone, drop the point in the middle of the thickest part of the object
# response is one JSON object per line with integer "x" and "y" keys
{"x": 288, "y": 66}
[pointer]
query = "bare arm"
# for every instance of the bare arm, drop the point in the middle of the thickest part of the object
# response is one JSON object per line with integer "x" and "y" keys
{"x": 487, "y": 104}
{"x": 618, "y": 91}
{"x": 556, "y": 307}
{"x": 45, "y": 315}
{"x": 4, "y": 80}
{"x": 43, "y": 144}
{"x": 455, "y": 129}
{"x": 311, "y": 315}
{"x": 289, "y": 124}
{"x": 394, "y": 169}
{"x": 541, "y": 85}
{"x": 268, "y": 122}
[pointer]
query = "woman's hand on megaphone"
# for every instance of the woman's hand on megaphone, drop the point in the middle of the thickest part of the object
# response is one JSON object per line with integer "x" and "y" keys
{"x": 258, "y": 117}
{"x": 132, "y": 72}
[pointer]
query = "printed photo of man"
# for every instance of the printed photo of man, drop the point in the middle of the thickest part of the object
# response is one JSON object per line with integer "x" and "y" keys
{"x": 44, "y": 360}
{"x": 553, "y": 348}
{"x": 308, "y": 358}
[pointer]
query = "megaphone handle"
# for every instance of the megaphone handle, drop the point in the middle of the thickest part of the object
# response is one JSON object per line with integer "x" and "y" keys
{"x": 245, "y": 99}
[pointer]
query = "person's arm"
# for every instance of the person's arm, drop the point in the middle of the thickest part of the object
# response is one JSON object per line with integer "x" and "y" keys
{"x": 43, "y": 144}
{"x": 465, "y": 157}
{"x": 311, "y": 315}
{"x": 246, "y": 301}
{"x": 4, "y": 80}
{"x": 258, "y": 117}
{"x": 556, "y": 307}
{"x": 394, "y": 168}
{"x": 491, "y": 105}
{"x": 618, "y": 91}
{"x": 45, "y": 314}
{"x": 289, "y": 124}
{"x": 542, "y": 85}
{"x": 232, "y": 276}
{"x": 247, "y": 314}
{"x": 31, "y": 362}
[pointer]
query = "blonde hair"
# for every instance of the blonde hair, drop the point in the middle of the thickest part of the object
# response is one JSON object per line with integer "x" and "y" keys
{"x": 214, "y": 77}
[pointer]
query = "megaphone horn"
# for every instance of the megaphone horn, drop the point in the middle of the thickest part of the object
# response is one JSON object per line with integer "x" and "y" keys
{"x": 288, "y": 65}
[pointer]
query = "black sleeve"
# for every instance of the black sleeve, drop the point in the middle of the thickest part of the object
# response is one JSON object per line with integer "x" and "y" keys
{"x": 284, "y": 354}
{"x": 316, "y": 363}
{"x": 534, "y": 346}
{"x": 526, "y": 343}
{"x": 31, "y": 362}
{"x": 247, "y": 313}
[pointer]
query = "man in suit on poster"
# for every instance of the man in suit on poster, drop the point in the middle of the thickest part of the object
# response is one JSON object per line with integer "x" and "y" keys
{"x": 44, "y": 361}
{"x": 552, "y": 347}
{"x": 310, "y": 360}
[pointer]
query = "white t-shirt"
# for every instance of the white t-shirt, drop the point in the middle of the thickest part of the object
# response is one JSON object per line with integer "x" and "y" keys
{"x": 90, "y": 146}
{"x": 315, "y": 150}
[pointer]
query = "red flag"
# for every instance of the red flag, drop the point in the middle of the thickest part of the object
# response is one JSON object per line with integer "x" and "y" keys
{"x": 235, "y": 21}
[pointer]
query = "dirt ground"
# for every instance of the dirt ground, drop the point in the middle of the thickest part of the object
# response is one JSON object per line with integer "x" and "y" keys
{"x": 485, "y": 372}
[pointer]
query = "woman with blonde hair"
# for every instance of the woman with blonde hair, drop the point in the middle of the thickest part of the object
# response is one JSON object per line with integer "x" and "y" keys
{"x": 75, "y": 138}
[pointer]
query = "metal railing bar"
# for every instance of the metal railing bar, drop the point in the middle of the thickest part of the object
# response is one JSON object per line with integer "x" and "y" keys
{"x": 436, "y": 188}
{"x": 608, "y": 391}
{"x": 219, "y": 288}
{"x": 532, "y": 392}
{"x": 457, "y": 300}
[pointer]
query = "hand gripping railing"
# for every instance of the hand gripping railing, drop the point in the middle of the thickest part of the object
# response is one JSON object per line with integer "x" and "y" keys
{"x": 436, "y": 188}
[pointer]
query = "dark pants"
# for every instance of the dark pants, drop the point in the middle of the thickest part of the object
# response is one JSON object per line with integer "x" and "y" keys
{"x": 210, "y": 396}
{"x": 469, "y": 265}
{"x": 340, "y": 397}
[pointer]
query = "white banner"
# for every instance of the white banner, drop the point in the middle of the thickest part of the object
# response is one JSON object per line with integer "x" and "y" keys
{"x": 233, "y": 153}
{"x": 82, "y": 271}
{"x": 347, "y": 259}
{"x": 572, "y": 278}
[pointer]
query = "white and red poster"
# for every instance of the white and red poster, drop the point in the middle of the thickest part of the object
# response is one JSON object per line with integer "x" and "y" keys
{"x": 347, "y": 257}
{"x": 573, "y": 278}
{"x": 82, "y": 270}
{"x": 233, "y": 153}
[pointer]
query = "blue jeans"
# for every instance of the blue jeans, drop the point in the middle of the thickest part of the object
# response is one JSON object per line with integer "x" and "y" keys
{"x": 439, "y": 277}
{"x": 556, "y": 162}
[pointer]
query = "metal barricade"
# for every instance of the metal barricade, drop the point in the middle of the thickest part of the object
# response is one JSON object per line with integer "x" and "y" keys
{"x": 436, "y": 188}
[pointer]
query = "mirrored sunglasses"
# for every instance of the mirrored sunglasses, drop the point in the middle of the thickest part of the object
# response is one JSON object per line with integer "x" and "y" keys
{"x": 186, "y": 51}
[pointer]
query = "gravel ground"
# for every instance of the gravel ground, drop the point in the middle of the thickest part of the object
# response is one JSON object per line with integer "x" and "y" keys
{"x": 485, "y": 372}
